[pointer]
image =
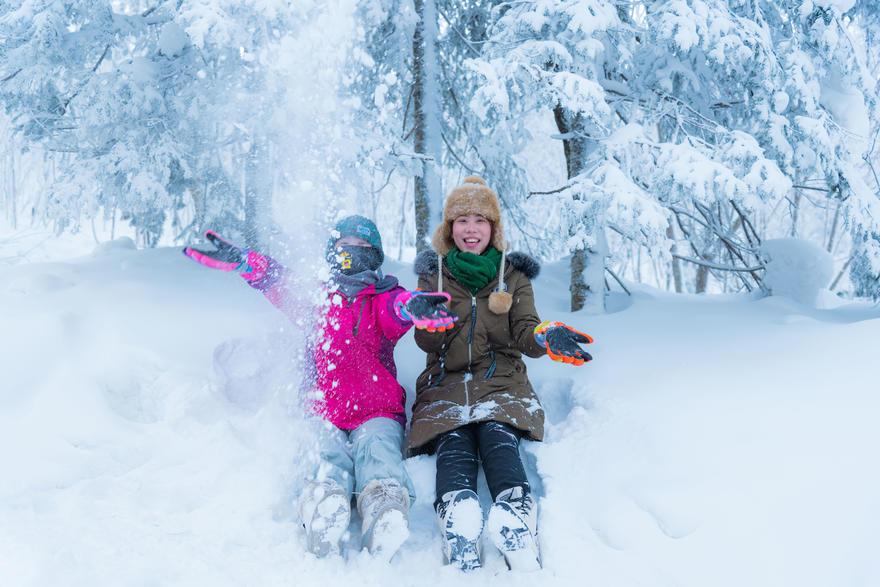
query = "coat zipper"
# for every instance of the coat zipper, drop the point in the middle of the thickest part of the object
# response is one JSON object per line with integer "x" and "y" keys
{"x": 470, "y": 340}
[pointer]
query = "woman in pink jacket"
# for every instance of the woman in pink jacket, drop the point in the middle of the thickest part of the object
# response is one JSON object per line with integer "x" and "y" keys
{"x": 355, "y": 389}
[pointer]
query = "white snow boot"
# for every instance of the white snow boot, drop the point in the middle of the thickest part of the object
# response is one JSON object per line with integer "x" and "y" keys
{"x": 513, "y": 525}
{"x": 384, "y": 509}
{"x": 325, "y": 508}
{"x": 461, "y": 523}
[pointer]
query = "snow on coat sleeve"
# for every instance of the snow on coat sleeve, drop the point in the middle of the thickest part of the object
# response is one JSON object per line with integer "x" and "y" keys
{"x": 266, "y": 275}
{"x": 524, "y": 318}
{"x": 392, "y": 326}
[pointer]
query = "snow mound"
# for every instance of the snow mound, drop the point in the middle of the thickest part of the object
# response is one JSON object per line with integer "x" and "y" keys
{"x": 154, "y": 437}
{"x": 797, "y": 269}
{"x": 122, "y": 243}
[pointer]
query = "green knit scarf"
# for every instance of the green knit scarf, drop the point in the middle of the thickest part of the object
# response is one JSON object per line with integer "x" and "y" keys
{"x": 473, "y": 271}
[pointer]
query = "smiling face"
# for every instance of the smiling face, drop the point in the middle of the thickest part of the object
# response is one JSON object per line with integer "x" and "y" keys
{"x": 471, "y": 233}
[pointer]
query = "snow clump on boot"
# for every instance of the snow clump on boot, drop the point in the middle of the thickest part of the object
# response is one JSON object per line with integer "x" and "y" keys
{"x": 325, "y": 509}
{"x": 461, "y": 523}
{"x": 384, "y": 509}
{"x": 513, "y": 526}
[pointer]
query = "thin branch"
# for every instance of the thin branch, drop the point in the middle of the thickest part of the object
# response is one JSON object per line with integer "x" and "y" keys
{"x": 11, "y": 75}
{"x": 406, "y": 110}
{"x": 716, "y": 266}
{"x": 747, "y": 224}
{"x": 843, "y": 269}
{"x": 617, "y": 279}
{"x": 556, "y": 191}
{"x": 806, "y": 187}
{"x": 467, "y": 41}
{"x": 456, "y": 157}
{"x": 679, "y": 211}
{"x": 867, "y": 158}
{"x": 101, "y": 59}
{"x": 732, "y": 248}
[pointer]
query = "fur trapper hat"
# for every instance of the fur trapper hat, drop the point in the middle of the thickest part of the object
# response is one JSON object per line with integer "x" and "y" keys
{"x": 473, "y": 196}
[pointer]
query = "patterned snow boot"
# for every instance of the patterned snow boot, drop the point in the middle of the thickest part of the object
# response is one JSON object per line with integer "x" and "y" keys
{"x": 384, "y": 509}
{"x": 513, "y": 525}
{"x": 461, "y": 523}
{"x": 325, "y": 509}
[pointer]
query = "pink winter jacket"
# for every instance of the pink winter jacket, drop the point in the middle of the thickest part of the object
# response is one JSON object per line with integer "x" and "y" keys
{"x": 355, "y": 375}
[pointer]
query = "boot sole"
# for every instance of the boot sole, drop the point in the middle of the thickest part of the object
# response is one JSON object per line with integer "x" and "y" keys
{"x": 389, "y": 532}
{"x": 512, "y": 537}
{"x": 328, "y": 525}
{"x": 462, "y": 539}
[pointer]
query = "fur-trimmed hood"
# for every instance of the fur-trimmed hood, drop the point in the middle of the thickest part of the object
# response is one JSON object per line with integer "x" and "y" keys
{"x": 426, "y": 264}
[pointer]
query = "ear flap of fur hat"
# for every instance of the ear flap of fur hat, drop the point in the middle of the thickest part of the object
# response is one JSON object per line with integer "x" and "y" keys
{"x": 473, "y": 196}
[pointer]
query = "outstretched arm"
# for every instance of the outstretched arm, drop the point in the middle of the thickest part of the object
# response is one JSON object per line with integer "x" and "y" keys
{"x": 260, "y": 271}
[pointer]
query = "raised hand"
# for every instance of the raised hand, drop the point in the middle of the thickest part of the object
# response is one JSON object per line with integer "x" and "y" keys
{"x": 226, "y": 257}
{"x": 563, "y": 342}
{"x": 426, "y": 310}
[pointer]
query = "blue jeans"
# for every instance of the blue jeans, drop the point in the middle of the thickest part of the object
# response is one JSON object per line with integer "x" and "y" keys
{"x": 371, "y": 451}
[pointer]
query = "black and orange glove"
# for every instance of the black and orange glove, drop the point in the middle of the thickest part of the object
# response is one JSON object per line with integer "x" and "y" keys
{"x": 563, "y": 342}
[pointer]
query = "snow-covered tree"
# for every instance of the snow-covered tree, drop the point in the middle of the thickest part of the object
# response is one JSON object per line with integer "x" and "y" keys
{"x": 158, "y": 111}
{"x": 696, "y": 120}
{"x": 560, "y": 56}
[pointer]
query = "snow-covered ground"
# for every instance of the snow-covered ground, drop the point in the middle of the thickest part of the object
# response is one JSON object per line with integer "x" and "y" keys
{"x": 150, "y": 435}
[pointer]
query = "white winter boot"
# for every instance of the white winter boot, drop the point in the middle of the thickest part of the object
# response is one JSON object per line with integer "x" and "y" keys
{"x": 325, "y": 508}
{"x": 384, "y": 508}
{"x": 461, "y": 523}
{"x": 513, "y": 525}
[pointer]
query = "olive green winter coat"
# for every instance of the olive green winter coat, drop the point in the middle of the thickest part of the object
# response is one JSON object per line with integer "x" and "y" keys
{"x": 475, "y": 372}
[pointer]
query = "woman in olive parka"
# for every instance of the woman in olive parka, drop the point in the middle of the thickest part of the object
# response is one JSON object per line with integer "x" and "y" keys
{"x": 474, "y": 400}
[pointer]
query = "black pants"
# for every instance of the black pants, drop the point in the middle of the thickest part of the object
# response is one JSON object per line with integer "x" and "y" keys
{"x": 498, "y": 447}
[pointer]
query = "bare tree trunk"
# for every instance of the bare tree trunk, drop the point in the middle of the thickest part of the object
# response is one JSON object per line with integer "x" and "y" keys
{"x": 256, "y": 195}
{"x": 676, "y": 264}
{"x": 587, "y": 284}
{"x": 425, "y": 120}
{"x": 702, "y": 279}
{"x": 830, "y": 246}
{"x": 13, "y": 188}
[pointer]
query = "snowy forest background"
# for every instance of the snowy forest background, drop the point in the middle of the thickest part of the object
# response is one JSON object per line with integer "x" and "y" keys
{"x": 660, "y": 142}
{"x": 150, "y": 407}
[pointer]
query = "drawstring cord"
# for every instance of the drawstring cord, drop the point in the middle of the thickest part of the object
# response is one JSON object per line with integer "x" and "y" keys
{"x": 439, "y": 272}
{"x": 501, "y": 273}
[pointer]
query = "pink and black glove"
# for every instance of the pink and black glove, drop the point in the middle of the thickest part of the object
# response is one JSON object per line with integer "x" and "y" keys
{"x": 426, "y": 310}
{"x": 226, "y": 257}
{"x": 563, "y": 342}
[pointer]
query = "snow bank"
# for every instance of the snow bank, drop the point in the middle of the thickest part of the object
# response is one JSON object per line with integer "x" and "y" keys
{"x": 796, "y": 268}
{"x": 713, "y": 441}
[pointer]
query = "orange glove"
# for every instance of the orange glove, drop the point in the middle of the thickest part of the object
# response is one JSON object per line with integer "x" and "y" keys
{"x": 563, "y": 342}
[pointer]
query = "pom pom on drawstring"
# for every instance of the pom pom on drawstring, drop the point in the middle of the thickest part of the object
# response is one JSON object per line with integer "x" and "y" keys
{"x": 500, "y": 302}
